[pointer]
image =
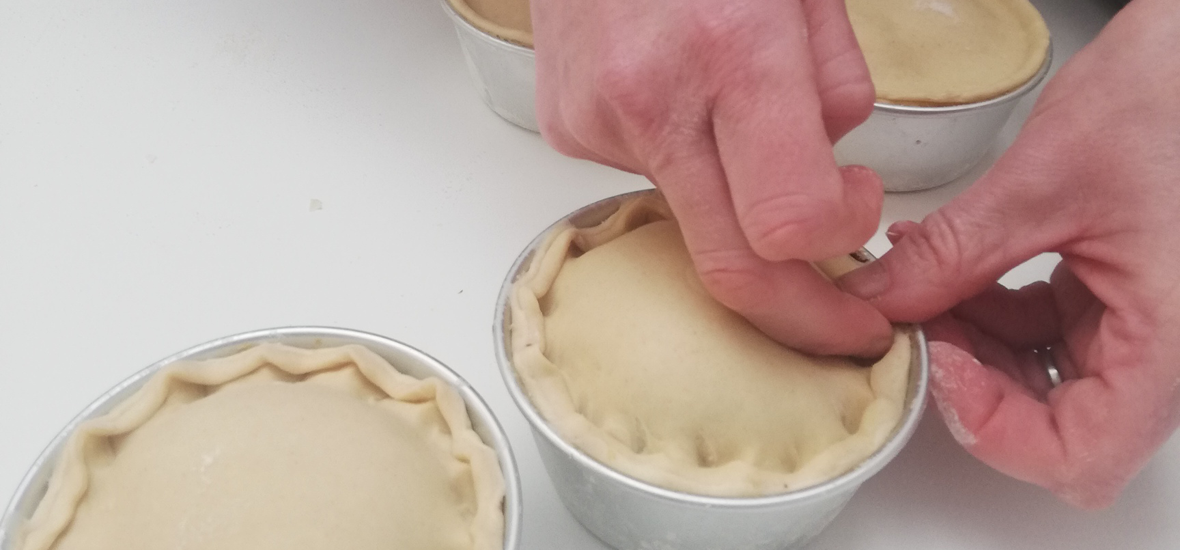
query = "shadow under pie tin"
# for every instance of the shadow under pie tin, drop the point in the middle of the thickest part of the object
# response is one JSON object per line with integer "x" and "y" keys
{"x": 631, "y": 514}
{"x": 404, "y": 358}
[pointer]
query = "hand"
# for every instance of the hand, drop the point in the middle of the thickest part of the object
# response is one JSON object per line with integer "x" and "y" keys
{"x": 1094, "y": 176}
{"x": 731, "y": 109}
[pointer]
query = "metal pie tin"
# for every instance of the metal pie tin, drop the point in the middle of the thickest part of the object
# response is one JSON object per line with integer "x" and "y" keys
{"x": 504, "y": 74}
{"x": 406, "y": 359}
{"x": 915, "y": 148}
{"x": 630, "y": 514}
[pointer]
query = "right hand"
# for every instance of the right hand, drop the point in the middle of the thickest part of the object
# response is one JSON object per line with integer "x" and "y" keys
{"x": 730, "y": 107}
{"x": 1095, "y": 176}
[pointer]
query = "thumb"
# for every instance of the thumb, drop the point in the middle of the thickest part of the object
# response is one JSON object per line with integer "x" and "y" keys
{"x": 1006, "y": 218}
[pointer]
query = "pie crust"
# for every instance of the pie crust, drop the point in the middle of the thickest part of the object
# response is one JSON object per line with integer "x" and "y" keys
{"x": 505, "y": 19}
{"x": 627, "y": 357}
{"x": 948, "y": 52}
{"x": 276, "y": 447}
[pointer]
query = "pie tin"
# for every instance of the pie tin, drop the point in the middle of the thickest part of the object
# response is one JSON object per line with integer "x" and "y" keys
{"x": 915, "y": 148}
{"x": 504, "y": 74}
{"x": 630, "y": 514}
{"x": 406, "y": 359}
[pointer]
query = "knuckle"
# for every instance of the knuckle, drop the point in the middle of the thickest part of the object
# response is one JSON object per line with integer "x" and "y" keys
{"x": 849, "y": 98}
{"x": 734, "y": 278}
{"x": 672, "y": 146}
{"x": 938, "y": 246}
{"x": 624, "y": 83}
{"x": 777, "y": 227}
{"x": 798, "y": 227}
{"x": 719, "y": 28}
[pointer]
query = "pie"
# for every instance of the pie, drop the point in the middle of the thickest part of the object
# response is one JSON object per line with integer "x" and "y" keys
{"x": 948, "y": 52}
{"x": 629, "y": 359}
{"x": 505, "y": 19}
{"x": 276, "y": 447}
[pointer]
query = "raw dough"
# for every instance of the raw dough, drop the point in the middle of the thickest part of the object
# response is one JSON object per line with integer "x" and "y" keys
{"x": 277, "y": 448}
{"x": 625, "y": 354}
{"x": 505, "y": 19}
{"x": 947, "y": 52}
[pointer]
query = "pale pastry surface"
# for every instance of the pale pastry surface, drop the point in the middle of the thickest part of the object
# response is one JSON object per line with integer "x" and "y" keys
{"x": 505, "y": 19}
{"x": 947, "y": 52}
{"x": 277, "y": 447}
{"x": 625, "y": 354}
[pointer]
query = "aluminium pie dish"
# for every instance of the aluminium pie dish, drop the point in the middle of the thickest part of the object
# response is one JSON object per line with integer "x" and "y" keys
{"x": 294, "y": 438}
{"x": 948, "y": 74}
{"x": 497, "y": 41}
{"x": 627, "y": 356}
{"x": 658, "y": 411}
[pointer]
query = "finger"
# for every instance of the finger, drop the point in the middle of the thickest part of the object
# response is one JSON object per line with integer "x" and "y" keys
{"x": 897, "y": 230}
{"x": 842, "y": 76}
{"x": 790, "y": 200}
{"x": 1028, "y": 317}
{"x": 945, "y": 328}
{"x": 961, "y": 249}
{"x": 1020, "y": 364}
{"x": 789, "y": 301}
{"x": 1082, "y": 445}
{"x": 1078, "y": 306}
{"x": 978, "y": 403}
{"x": 1023, "y": 318}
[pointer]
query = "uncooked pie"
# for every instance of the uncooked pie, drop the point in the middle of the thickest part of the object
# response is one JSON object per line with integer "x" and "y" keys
{"x": 505, "y": 19}
{"x": 948, "y": 52}
{"x": 627, "y": 357}
{"x": 276, "y": 448}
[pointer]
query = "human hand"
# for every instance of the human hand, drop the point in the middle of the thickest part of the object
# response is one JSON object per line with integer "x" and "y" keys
{"x": 1094, "y": 176}
{"x": 730, "y": 107}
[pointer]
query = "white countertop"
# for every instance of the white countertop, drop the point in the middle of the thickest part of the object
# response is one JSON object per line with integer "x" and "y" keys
{"x": 158, "y": 163}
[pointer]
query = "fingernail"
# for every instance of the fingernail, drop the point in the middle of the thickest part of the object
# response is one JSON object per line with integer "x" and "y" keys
{"x": 866, "y": 283}
{"x": 899, "y": 230}
{"x": 883, "y": 344}
{"x": 875, "y": 352}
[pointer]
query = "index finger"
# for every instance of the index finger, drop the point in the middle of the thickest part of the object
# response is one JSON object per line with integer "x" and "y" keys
{"x": 791, "y": 200}
{"x": 790, "y": 301}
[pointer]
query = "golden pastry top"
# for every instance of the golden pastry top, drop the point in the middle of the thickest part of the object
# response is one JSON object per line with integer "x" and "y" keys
{"x": 948, "y": 52}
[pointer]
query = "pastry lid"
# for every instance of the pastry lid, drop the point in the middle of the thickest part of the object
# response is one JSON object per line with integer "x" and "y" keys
{"x": 948, "y": 52}
{"x": 406, "y": 359}
{"x": 507, "y": 20}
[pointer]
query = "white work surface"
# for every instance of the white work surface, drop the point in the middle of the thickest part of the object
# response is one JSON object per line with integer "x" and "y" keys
{"x": 158, "y": 165}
